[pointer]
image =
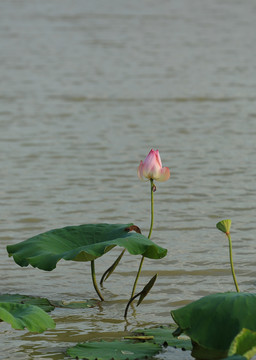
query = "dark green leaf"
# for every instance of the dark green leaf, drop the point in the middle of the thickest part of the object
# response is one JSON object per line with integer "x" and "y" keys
{"x": 213, "y": 321}
{"x": 110, "y": 270}
{"x": 29, "y": 316}
{"x": 43, "y": 303}
{"x": 118, "y": 350}
{"x": 147, "y": 289}
{"x": 141, "y": 294}
{"x": 81, "y": 243}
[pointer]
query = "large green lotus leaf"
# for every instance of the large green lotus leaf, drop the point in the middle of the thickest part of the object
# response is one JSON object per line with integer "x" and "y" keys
{"x": 43, "y": 303}
{"x": 213, "y": 321}
{"x": 117, "y": 350}
{"x": 23, "y": 315}
{"x": 81, "y": 243}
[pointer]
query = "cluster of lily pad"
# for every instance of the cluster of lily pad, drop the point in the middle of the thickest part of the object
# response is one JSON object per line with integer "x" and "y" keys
{"x": 217, "y": 326}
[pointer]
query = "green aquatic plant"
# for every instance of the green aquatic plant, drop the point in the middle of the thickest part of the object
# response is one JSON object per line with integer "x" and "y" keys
{"x": 88, "y": 242}
{"x": 142, "y": 294}
{"x": 25, "y": 311}
{"x": 46, "y": 304}
{"x": 28, "y": 316}
{"x": 121, "y": 350}
{"x": 150, "y": 169}
{"x": 163, "y": 335}
{"x": 213, "y": 321}
{"x": 152, "y": 190}
{"x": 221, "y": 325}
{"x": 243, "y": 345}
{"x": 225, "y": 226}
{"x": 43, "y": 303}
{"x": 82, "y": 243}
{"x": 139, "y": 344}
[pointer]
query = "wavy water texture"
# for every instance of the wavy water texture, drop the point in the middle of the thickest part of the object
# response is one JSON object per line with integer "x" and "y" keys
{"x": 87, "y": 89}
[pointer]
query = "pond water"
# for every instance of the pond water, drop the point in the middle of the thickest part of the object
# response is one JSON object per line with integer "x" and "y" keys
{"x": 87, "y": 89}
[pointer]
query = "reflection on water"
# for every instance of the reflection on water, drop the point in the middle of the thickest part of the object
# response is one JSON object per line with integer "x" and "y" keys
{"x": 86, "y": 91}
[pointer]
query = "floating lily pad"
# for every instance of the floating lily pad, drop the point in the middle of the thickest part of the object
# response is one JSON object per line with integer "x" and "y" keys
{"x": 24, "y": 315}
{"x": 43, "y": 303}
{"x": 118, "y": 350}
{"x": 74, "y": 304}
{"x": 213, "y": 321}
{"x": 164, "y": 336}
{"x": 140, "y": 344}
{"x": 47, "y": 305}
{"x": 81, "y": 243}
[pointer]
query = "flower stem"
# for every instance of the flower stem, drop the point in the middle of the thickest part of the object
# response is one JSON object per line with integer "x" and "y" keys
{"x": 94, "y": 280}
{"x": 137, "y": 277}
{"x": 152, "y": 186}
{"x": 231, "y": 262}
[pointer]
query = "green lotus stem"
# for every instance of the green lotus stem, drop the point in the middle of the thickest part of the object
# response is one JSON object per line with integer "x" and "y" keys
{"x": 94, "y": 280}
{"x": 231, "y": 262}
{"x": 152, "y": 187}
{"x": 136, "y": 280}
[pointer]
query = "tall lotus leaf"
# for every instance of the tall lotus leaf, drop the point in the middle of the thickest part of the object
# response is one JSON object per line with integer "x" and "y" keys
{"x": 23, "y": 315}
{"x": 81, "y": 243}
{"x": 213, "y": 321}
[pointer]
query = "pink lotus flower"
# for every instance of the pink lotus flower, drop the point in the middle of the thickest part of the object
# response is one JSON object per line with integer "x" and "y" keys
{"x": 151, "y": 168}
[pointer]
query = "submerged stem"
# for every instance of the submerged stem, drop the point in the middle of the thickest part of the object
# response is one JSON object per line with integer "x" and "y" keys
{"x": 152, "y": 186}
{"x": 129, "y": 303}
{"x": 94, "y": 280}
{"x": 231, "y": 262}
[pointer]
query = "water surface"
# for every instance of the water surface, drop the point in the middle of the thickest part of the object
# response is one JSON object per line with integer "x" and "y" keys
{"x": 87, "y": 89}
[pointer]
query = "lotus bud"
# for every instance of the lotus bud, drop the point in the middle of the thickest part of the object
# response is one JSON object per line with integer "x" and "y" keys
{"x": 151, "y": 168}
